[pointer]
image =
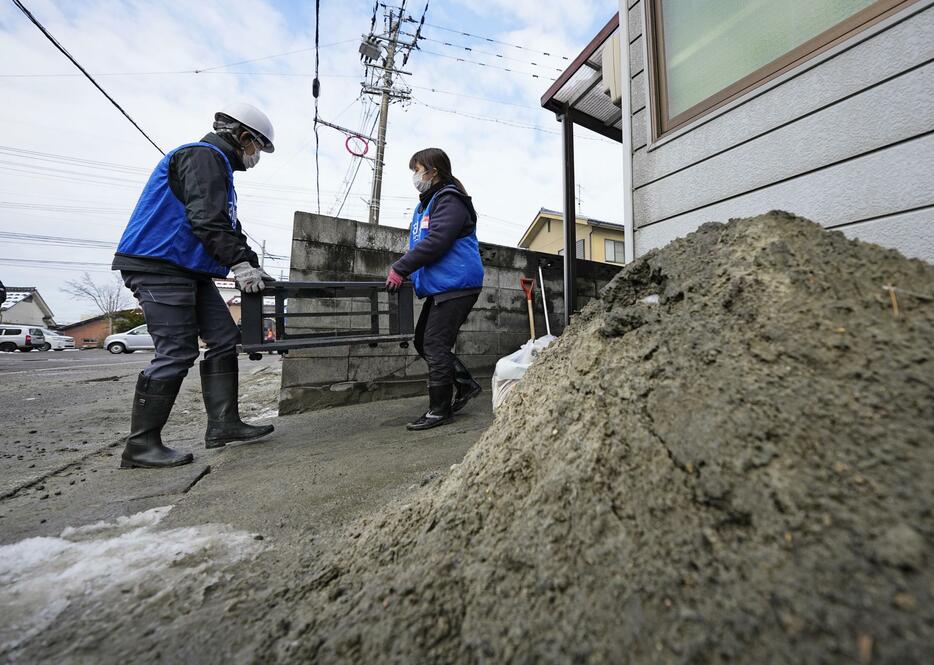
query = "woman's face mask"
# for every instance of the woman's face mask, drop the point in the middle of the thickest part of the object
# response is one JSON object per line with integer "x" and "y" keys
{"x": 421, "y": 184}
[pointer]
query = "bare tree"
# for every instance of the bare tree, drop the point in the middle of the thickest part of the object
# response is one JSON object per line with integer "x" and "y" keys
{"x": 109, "y": 298}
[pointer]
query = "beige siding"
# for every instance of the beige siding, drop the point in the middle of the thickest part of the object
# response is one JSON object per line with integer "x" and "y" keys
{"x": 552, "y": 241}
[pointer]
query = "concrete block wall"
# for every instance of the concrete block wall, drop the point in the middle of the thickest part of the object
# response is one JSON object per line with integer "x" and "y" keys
{"x": 334, "y": 249}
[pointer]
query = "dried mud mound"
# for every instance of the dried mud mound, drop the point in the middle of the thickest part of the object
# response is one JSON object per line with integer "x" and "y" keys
{"x": 742, "y": 472}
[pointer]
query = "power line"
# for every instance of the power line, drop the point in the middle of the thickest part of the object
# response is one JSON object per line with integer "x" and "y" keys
{"x": 344, "y": 187}
{"x": 283, "y": 193}
{"x": 185, "y": 71}
{"x": 466, "y": 96}
{"x": 508, "y": 123}
{"x": 68, "y": 55}
{"x": 50, "y": 263}
{"x": 56, "y": 240}
{"x": 485, "y": 64}
{"x": 417, "y": 35}
{"x": 494, "y": 41}
{"x": 350, "y": 185}
{"x": 275, "y": 55}
{"x": 490, "y": 53}
{"x": 86, "y": 243}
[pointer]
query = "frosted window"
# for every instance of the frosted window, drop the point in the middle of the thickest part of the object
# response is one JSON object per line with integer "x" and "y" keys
{"x": 711, "y": 44}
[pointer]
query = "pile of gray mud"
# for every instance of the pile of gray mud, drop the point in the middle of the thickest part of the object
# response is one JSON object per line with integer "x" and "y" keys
{"x": 740, "y": 472}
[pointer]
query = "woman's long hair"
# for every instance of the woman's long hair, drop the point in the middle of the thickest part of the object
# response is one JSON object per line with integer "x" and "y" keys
{"x": 437, "y": 159}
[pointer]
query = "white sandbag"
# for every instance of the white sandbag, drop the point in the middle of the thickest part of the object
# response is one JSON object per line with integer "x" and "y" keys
{"x": 510, "y": 369}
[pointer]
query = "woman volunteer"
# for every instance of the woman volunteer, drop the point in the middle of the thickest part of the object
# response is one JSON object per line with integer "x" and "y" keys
{"x": 443, "y": 262}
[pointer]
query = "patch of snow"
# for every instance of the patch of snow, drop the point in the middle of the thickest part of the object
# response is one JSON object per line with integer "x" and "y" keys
{"x": 41, "y": 577}
{"x": 265, "y": 414}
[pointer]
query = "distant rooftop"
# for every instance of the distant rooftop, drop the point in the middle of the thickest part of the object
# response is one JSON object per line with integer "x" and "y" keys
{"x": 16, "y": 294}
{"x": 544, "y": 213}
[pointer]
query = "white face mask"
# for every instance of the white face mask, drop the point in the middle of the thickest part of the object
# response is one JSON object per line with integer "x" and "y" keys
{"x": 421, "y": 185}
{"x": 249, "y": 161}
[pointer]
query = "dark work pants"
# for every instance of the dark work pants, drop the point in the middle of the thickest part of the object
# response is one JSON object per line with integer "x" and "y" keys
{"x": 436, "y": 333}
{"x": 178, "y": 310}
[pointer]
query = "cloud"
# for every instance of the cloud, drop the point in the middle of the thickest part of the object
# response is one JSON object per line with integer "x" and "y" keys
{"x": 510, "y": 171}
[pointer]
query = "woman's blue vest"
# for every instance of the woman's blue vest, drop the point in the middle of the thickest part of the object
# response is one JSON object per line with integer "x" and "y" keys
{"x": 459, "y": 268}
{"x": 159, "y": 227}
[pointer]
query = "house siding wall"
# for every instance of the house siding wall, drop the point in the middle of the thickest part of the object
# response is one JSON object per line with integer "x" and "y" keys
{"x": 846, "y": 139}
{"x": 25, "y": 312}
{"x": 552, "y": 241}
{"x": 88, "y": 335}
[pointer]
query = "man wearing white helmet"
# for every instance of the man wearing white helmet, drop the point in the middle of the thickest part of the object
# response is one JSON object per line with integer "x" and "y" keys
{"x": 184, "y": 232}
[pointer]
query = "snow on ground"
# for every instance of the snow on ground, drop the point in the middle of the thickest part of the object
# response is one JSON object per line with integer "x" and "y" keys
{"x": 41, "y": 577}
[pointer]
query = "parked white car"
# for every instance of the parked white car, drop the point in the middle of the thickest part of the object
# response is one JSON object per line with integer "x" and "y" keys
{"x": 24, "y": 338}
{"x": 137, "y": 339}
{"x": 56, "y": 341}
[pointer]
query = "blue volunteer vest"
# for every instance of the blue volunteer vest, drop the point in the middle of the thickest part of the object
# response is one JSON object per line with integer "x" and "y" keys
{"x": 459, "y": 268}
{"x": 159, "y": 227}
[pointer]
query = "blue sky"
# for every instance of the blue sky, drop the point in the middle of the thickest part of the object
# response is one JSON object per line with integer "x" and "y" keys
{"x": 60, "y": 122}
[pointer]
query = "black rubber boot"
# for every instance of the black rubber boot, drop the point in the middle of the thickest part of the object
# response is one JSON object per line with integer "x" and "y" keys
{"x": 219, "y": 386}
{"x": 465, "y": 388}
{"x": 152, "y": 405}
{"x": 439, "y": 408}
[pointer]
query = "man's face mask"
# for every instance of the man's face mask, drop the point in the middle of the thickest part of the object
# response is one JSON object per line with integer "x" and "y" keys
{"x": 249, "y": 161}
{"x": 250, "y": 141}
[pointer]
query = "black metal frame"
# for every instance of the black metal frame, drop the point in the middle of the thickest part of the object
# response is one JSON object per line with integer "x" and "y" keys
{"x": 570, "y": 218}
{"x": 401, "y": 316}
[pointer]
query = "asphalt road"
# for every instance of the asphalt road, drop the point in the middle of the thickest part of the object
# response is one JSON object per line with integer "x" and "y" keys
{"x": 57, "y": 408}
{"x": 59, "y": 362}
{"x": 89, "y": 576}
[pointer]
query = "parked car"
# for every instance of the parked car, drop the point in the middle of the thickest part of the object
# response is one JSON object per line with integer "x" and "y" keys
{"x": 129, "y": 341}
{"x": 24, "y": 338}
{"x": 56, "y": 341}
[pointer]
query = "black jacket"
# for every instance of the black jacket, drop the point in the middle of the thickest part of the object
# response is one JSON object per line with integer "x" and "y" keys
{"x": 198, "y": 178}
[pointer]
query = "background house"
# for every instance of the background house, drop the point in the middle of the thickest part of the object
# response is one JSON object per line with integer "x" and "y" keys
{"x": 90, "y": 333}
{"x": 596, "y": 240}
{"x": 231, "y": 295}
{"x": 25, "y": 305}
{"x": 727, "y": 110}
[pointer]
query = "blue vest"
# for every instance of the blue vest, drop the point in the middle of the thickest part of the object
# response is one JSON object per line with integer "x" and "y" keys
{"x": 159, "y": 227}
{"x": 459, "y": 268}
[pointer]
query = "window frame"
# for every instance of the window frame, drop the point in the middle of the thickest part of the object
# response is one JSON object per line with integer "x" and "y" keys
{"x": 658, "y": 84}
{"x": 616, "y": 246}
{"x": 579, "y": 244}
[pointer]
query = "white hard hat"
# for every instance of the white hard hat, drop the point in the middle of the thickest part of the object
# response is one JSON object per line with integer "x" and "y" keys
{"x": 253, "y": 118}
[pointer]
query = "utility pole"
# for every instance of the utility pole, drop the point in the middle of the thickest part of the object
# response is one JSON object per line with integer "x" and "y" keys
{"x": 389, "y": 64}
{"x": 262, "y": 256}
{"x": 380, "y": 82}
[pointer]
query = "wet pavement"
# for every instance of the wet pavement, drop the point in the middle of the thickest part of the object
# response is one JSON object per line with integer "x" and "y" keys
{"x": 106, "y": 565}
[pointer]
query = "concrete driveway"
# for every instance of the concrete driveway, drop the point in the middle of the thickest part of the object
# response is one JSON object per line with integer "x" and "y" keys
{"x": 102, "y": 565}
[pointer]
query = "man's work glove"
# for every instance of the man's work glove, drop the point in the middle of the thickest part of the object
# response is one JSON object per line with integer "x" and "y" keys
{"x": 267, "y": 277}
{"x": 249, "y": 279}
{"x": 394, "y": 281}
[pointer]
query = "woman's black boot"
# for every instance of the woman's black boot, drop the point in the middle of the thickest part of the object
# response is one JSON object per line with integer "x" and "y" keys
{"x": 439, "y": 408}
{"x": 152, "y": 405}
{"x": 465, "y": 387}
{"x": 220, "y": 382}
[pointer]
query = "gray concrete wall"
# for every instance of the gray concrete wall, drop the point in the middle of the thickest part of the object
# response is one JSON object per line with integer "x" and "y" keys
{"x": 845, "y": 139}
{"x": 333, "y": 249}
